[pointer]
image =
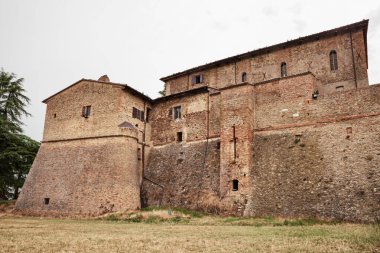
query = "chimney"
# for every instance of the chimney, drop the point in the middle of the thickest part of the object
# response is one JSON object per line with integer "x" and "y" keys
{"x": 104, "y": 78}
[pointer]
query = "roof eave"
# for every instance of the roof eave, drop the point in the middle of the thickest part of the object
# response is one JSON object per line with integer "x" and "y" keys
{"x": 361, "y": 24}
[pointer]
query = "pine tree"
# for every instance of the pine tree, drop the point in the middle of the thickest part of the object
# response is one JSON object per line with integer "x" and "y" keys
{"x": 17, "y": 151}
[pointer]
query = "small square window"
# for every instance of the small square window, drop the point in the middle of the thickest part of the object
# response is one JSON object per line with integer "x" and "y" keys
{"x": 46, "y": 201}
{"x": 197, "y": 79}
{"x": 177, "y": 112}
{"x": 86, "y": 111}
{"x": 179, "y": 136}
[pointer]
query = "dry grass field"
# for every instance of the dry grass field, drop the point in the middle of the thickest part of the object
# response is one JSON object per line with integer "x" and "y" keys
{"x": 155, "y": 231}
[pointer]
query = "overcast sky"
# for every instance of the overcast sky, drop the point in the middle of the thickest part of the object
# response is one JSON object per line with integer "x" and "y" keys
{"x": 52, "y": 43}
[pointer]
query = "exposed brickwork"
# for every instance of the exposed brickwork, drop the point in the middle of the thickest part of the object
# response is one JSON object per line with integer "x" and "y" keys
{"x": 83, "y": 177}
{"x": 304, "y": 145}
{"x": 312, "y": 56}
{"x": 323, "y": 171}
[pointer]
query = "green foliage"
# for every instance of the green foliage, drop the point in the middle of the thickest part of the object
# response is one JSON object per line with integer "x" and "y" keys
{"x": 162, "y": 92}
{"x": 17, "y": 151}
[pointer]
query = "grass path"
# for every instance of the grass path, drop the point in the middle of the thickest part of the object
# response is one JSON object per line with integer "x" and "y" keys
{"x": 57, "y": 235}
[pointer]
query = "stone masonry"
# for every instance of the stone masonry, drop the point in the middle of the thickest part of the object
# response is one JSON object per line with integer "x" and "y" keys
{"x": 290, "y": 130}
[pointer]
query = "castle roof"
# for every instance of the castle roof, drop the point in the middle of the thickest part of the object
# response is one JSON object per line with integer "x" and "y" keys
{"x": 314, "y": 37}
{"x": 124, "y": 86}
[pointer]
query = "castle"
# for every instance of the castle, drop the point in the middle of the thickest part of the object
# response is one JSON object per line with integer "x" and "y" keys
{"x": 289, "y": 130}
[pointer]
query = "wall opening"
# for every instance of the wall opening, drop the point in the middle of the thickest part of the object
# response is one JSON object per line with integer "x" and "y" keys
{"x": 244, "y": 77}
{"x": 46, "y": 201}
{"x": 284, "y": 72}
{"x": 86, "y": 111}
{"x": 333, "y": 60}
{"x": 235, "y": 185}
{"x": 197, "y": 79}
{"x": 339, "y": 88}
{"x": 177, "y": 112}
{"x": 55, "y": 115}
{"x": 179, "y": 136}
{"x": 218, "y": 145}
{"x": 137, "y": 114}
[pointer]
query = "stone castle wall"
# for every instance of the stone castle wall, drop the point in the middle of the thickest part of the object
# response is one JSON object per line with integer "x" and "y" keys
{"x": 88, "y": 177}
{"x": 265, "y": 146}
{"x": 88, "y": 165}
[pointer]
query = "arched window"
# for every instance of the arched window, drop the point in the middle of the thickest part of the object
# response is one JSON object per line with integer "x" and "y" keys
{"x": 283, "y": 69}
{"x": 244, "y": 77}
{"x": 333, "y": 60}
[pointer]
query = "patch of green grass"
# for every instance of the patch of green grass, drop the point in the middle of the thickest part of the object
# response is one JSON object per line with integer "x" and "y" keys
{"x": 232, "y": 219}
{"x": 191, "y": 213}
{"x": 151, "y": 208}
{"x": 112, "y": 217}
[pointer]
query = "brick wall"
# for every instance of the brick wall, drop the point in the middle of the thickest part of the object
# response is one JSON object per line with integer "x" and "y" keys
{"x": 188, "y": 175}
{"x": 326, "y": 171}
{"x": 306, "y": 57}
{"x": 193, "y": 122}
{"x": 87, "y": 177}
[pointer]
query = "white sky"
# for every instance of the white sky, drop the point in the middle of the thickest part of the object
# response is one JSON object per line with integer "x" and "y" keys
{"x": 52, "y": 43}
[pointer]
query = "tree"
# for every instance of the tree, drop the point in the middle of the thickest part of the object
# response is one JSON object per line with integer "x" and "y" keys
{"x": 17, "y": 151}
{"x": 163, "y": 92}
{"x": 12, "y": 99}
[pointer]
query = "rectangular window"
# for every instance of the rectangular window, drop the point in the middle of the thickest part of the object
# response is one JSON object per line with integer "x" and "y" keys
{"x": 235, "y": 185}
{"x": 177, "y": 112}
{"x": 197, "y": 79}
{"x": 46, "y": 201}
{"x": 179, "y": 136}
{"x": 86, "y": 111}
{"x": 137, "y": 114}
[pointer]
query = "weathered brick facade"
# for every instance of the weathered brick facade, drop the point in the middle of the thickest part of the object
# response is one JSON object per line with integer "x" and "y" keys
{"x": 241, "y": 136}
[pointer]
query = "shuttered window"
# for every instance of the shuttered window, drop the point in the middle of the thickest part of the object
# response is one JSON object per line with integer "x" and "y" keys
{"x": 137, "y": 114}
{"x": 197, "y": 79}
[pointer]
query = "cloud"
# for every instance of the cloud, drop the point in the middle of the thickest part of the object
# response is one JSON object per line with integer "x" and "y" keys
{"x": 220, "y": 26}
{"x": 299, "y": 25}
{"x": 296, "y": 9}
{"x": 270, "y": 12}
{"x": 374, "y": 21}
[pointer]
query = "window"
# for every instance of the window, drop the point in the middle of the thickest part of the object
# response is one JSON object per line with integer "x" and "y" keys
{"x": 86, "y": 111}
{"x": 244, "y": 77}
{"x": 197, "y": 79}
{"x": 137, "y": 114}
{"x": 179, "y": 136}
{"x": 283, "y": 69}
{"x": 235, "y": 185}
{"x": 55, "y": 115}
{"x": 46, "y": 201}
{"x": 333, "y": 60}
{"x": 339, "y": 88}
{"x": 177, "y": 112}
